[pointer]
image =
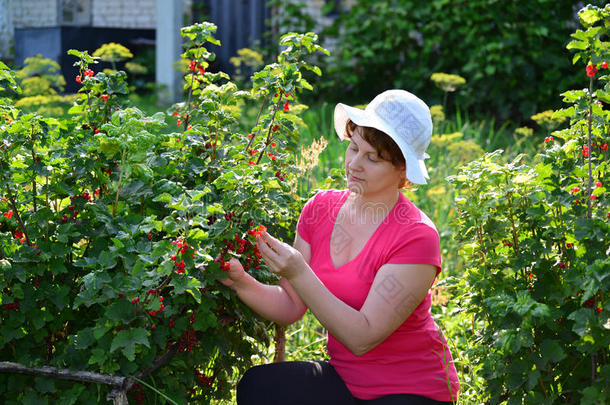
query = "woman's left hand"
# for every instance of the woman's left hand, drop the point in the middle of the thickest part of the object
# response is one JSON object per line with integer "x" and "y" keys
{"x": 281, "y": 258}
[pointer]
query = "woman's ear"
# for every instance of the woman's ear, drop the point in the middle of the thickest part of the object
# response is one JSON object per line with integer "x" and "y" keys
{"x": 403, "y": 182}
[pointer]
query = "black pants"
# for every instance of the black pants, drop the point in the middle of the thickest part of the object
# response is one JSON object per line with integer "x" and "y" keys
{"x": 308, "y": 383}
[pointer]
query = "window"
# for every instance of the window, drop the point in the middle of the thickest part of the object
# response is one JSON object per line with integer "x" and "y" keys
{"x": 74, "y": 12}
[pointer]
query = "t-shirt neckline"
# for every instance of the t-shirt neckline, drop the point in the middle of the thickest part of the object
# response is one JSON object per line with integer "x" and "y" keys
{"x": 364, "y": 248}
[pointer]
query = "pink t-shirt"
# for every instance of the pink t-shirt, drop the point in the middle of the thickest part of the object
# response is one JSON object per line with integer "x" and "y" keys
{"x": 415, "y": 358}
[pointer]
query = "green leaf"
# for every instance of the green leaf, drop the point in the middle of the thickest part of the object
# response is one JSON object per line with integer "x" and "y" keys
{"x": 552, "y": 350}
{"x": 76, "y": 109}
{"x": 581, "y": 319}
{"x": 593, "y": 396}
{"x": 589, "y": 16}
{"x": 523, "y": 304}
{"x": 121, "y": 310}
{"x": 83, "y": 339}
{"x": 532, "y": 379}
{"x": 305, "y": 84}
{"x": 44, "y": 385}
{"x": 127, "y": 341}
{"x": 32, "y": 398}
{"x": 577, "y": 45}
{"x": 107, "y": 259}
{"x": 117, "y": 243}
{"x": 71, "y": 396}
{"x": 98, "y": 356}
{"x": 60, "y": 296}
{"x": 197, "y": 234}
{"x": 164, "y": 198}
{"x": 215, "y": 208}
{"x": 99, "y": 331}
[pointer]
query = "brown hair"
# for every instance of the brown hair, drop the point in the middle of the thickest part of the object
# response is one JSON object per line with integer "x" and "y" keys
{"x": 385, "y": 146}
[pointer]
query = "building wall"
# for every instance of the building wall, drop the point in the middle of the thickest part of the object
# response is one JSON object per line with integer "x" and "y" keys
{"x": 104, "y": 14}
{"x": 124, "y": 14}
{"x": 33, "y": 13}
{"x": 6, "y": 30}
{"x": 128, "y": 13}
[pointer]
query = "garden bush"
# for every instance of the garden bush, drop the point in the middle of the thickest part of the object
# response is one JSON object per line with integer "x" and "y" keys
{"x": 114, "y": 231}
{"x": 534, "y": 235}
{"x": 41, "y": 86}
{"x": 508, "y": 51}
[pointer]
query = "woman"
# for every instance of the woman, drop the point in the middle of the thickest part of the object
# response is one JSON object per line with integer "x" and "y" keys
{"x": 363, "y": 262}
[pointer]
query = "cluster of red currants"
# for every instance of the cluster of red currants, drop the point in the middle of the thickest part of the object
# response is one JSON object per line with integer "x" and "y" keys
{"x": 137, "y": 391}
{"x": 195, "y": 67}
{"x": 242, "y": 246}
{"x": 204, "y": 380}
{"x": 12, "y": 307}
{"x": 183, "y": 248}
{"x": 88, "y": 73}
{"x": 187, "y": 341}
{"x": 601, "y": 146}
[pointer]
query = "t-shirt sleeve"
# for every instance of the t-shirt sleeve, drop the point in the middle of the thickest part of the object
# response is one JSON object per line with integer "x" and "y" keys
{"x": 307, "y": 219}
{"x": 420, "y": 245}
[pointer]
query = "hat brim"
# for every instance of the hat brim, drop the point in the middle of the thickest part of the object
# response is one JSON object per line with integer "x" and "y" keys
{"x": 416, "y": 168}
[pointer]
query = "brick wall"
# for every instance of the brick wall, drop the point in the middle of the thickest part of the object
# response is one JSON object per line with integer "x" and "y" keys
{"x": 6, "y": 30}
{"x": 33, "y": 13}
{"x": 128, "y": 13}
{"x": 124, "y": 14}
{"x": 105, "y": 13}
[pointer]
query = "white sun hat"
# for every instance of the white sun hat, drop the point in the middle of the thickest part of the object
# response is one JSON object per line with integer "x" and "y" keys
{"x": 402, "y": 116}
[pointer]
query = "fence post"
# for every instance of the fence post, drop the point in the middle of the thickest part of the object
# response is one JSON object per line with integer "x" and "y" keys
{"x": 168, "y": 48}
{"x": 118, "y": 397}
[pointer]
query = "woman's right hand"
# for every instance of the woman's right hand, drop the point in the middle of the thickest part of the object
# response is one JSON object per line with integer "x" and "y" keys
{"x": 235, "y": 275}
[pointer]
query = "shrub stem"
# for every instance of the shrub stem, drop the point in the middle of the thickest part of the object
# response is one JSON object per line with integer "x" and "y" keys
{"x": 589, "y": 123}
{"x": 118, "y": 189}
{"x": 16, "y": 213}
{"x": 269, "y": 131}
{"x": 34, "y": 174}
{"x": 256, "y": 124}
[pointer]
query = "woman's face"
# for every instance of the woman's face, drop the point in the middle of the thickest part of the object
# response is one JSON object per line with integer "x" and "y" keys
{"x": 366, "y": 171}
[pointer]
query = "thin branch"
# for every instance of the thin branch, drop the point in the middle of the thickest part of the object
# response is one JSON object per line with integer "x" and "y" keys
{"x": 512, "y": 221}
{"x": 269, "y": 131}
{"x": 16, "y": 213}
{"x": 118, "y": 190}
{"x": 214, "y": 143}
{"x": 48, "y": 205}
{"x": 159, "y": 362}
{"x": 589, "y": 121}
{"x": 120, "y": 384}
{"x": 188, "y": 101}
{"x": 280, "y": 344}
{"x": 593, "y": 367}
{"x": 256, "y": 124}
{"x": 47, "y": 371}
{"x": 34, "y": 192}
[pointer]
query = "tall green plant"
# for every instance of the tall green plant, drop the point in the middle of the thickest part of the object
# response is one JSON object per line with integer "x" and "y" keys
{"x": 535, "y": 235}
{"x": 114, "y": 231}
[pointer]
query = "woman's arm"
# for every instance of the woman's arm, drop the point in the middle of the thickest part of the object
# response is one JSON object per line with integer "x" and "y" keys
{"x": 396, "y": 291}
{"x": 272, "y": 302}
{"x": 278, "y": 303}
